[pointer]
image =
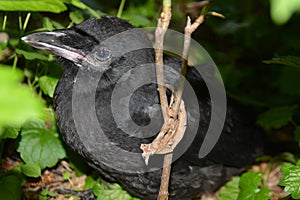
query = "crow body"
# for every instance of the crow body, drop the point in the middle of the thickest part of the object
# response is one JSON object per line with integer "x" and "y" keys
{"x": 93, "y": 67}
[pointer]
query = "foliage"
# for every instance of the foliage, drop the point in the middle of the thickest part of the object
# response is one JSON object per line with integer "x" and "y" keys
{"x": 291, "y": 179}
{"x": 106, "y": 191}
{"x": 39, "y": 145}
{"x": 276, "y": 117}
{"x": 231, "y": 191}
{"x": 258, "y": 59}
{"x": 249, "y": 186}
{"x": 13, "y": 111}
{"x": 281, "y": 10}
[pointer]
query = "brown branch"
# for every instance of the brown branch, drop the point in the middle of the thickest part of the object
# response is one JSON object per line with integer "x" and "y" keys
{"x": 163, "y": 24}
{"x": 164, "y": 185}
{"x": 159, "y": 38}
{"x": 162, "y": 27}
{"x": 174, "y": 115}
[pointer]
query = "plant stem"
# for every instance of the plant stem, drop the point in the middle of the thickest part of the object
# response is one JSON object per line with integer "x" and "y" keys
{"x": 4, "y": 22}
{"x": 20, "y": 22}
{"x": 26, "y": 21}
{"x": 15, "y": 61}
{"x": 121, "y": 7}
{"x": 163, "y": 190}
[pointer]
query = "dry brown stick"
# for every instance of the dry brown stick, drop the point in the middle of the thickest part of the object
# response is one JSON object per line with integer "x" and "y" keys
{"x": 164, "y": 185}
{"x": 163, "y": 24}
{"x": 188, "y": 30}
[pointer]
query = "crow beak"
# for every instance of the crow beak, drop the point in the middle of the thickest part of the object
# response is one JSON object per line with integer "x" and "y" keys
{"x": 51, "y": 42}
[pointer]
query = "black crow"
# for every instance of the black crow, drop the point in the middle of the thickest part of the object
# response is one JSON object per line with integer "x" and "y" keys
{"x": 107, "y": 105}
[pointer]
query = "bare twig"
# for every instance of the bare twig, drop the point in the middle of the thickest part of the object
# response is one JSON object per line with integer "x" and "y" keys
{"x": 162, "y": 26}
{"x": 174, "y": 114}
{"x": 164, "y": 185}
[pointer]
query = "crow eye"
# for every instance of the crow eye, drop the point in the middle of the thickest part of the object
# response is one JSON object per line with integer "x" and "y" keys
{"x": 103, "y": 54}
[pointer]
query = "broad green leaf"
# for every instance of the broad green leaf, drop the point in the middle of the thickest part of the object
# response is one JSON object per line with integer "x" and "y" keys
{"x": 76, "y": 17}
{"x": 10, "y": 132}
{"x": 48, "y": 84}
{"x": 292, "y": 61}
{"x": 31, "y": 170}
{"x": 108, "y": 191}
{"x": 10, "y": 188}
{"x": 55, "y": 6}
{"x": 231, "y": 190}
{"x": 33, "y": 124}
{"x": 18, "y": 103}
{"x": 282, "y": 10}
{"x": 276, "y": 117}
{"x": 40, "y": 146}
{"x": 31, "y": 55}
{"x": 136, "y": 19}
{"x": 249, "y": 187}
{"x": 291, "y": 179}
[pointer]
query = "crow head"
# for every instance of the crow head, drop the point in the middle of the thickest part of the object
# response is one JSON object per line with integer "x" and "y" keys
{"x": 96, "y": 44}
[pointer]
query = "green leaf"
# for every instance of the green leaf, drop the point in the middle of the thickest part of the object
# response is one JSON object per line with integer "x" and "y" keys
{"x": 45, "y": 193}
{"x": 18, "y": 103}
{"x": 249, "y": 187}
{"x": 76, "y": 17}
{"x": 31, "y": 55}
{"x": 55, "y": 6}
{"x": 40, "y": 146}
{"x": 48, "y": 84}
{"x": 276, "y": 117}
{"x": 291, "y": 179}
{"x": 90, "y": 182}
{"x": 3, "y": 45}
{"x": 136, "y": 19}
{"x": 282, "y": 10}
{"x": 78, "y": 4}
{"x": 10, "y": 188}
{"x": 107, "y": 191}
{"x": 31, "y": 170}
{"x": 10, "y": 132}
{"x": 50, "y": 25}
{"x": 231, "y": 190}
{"x": 67, "y": 175}
{"x": 292, "y": 61}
